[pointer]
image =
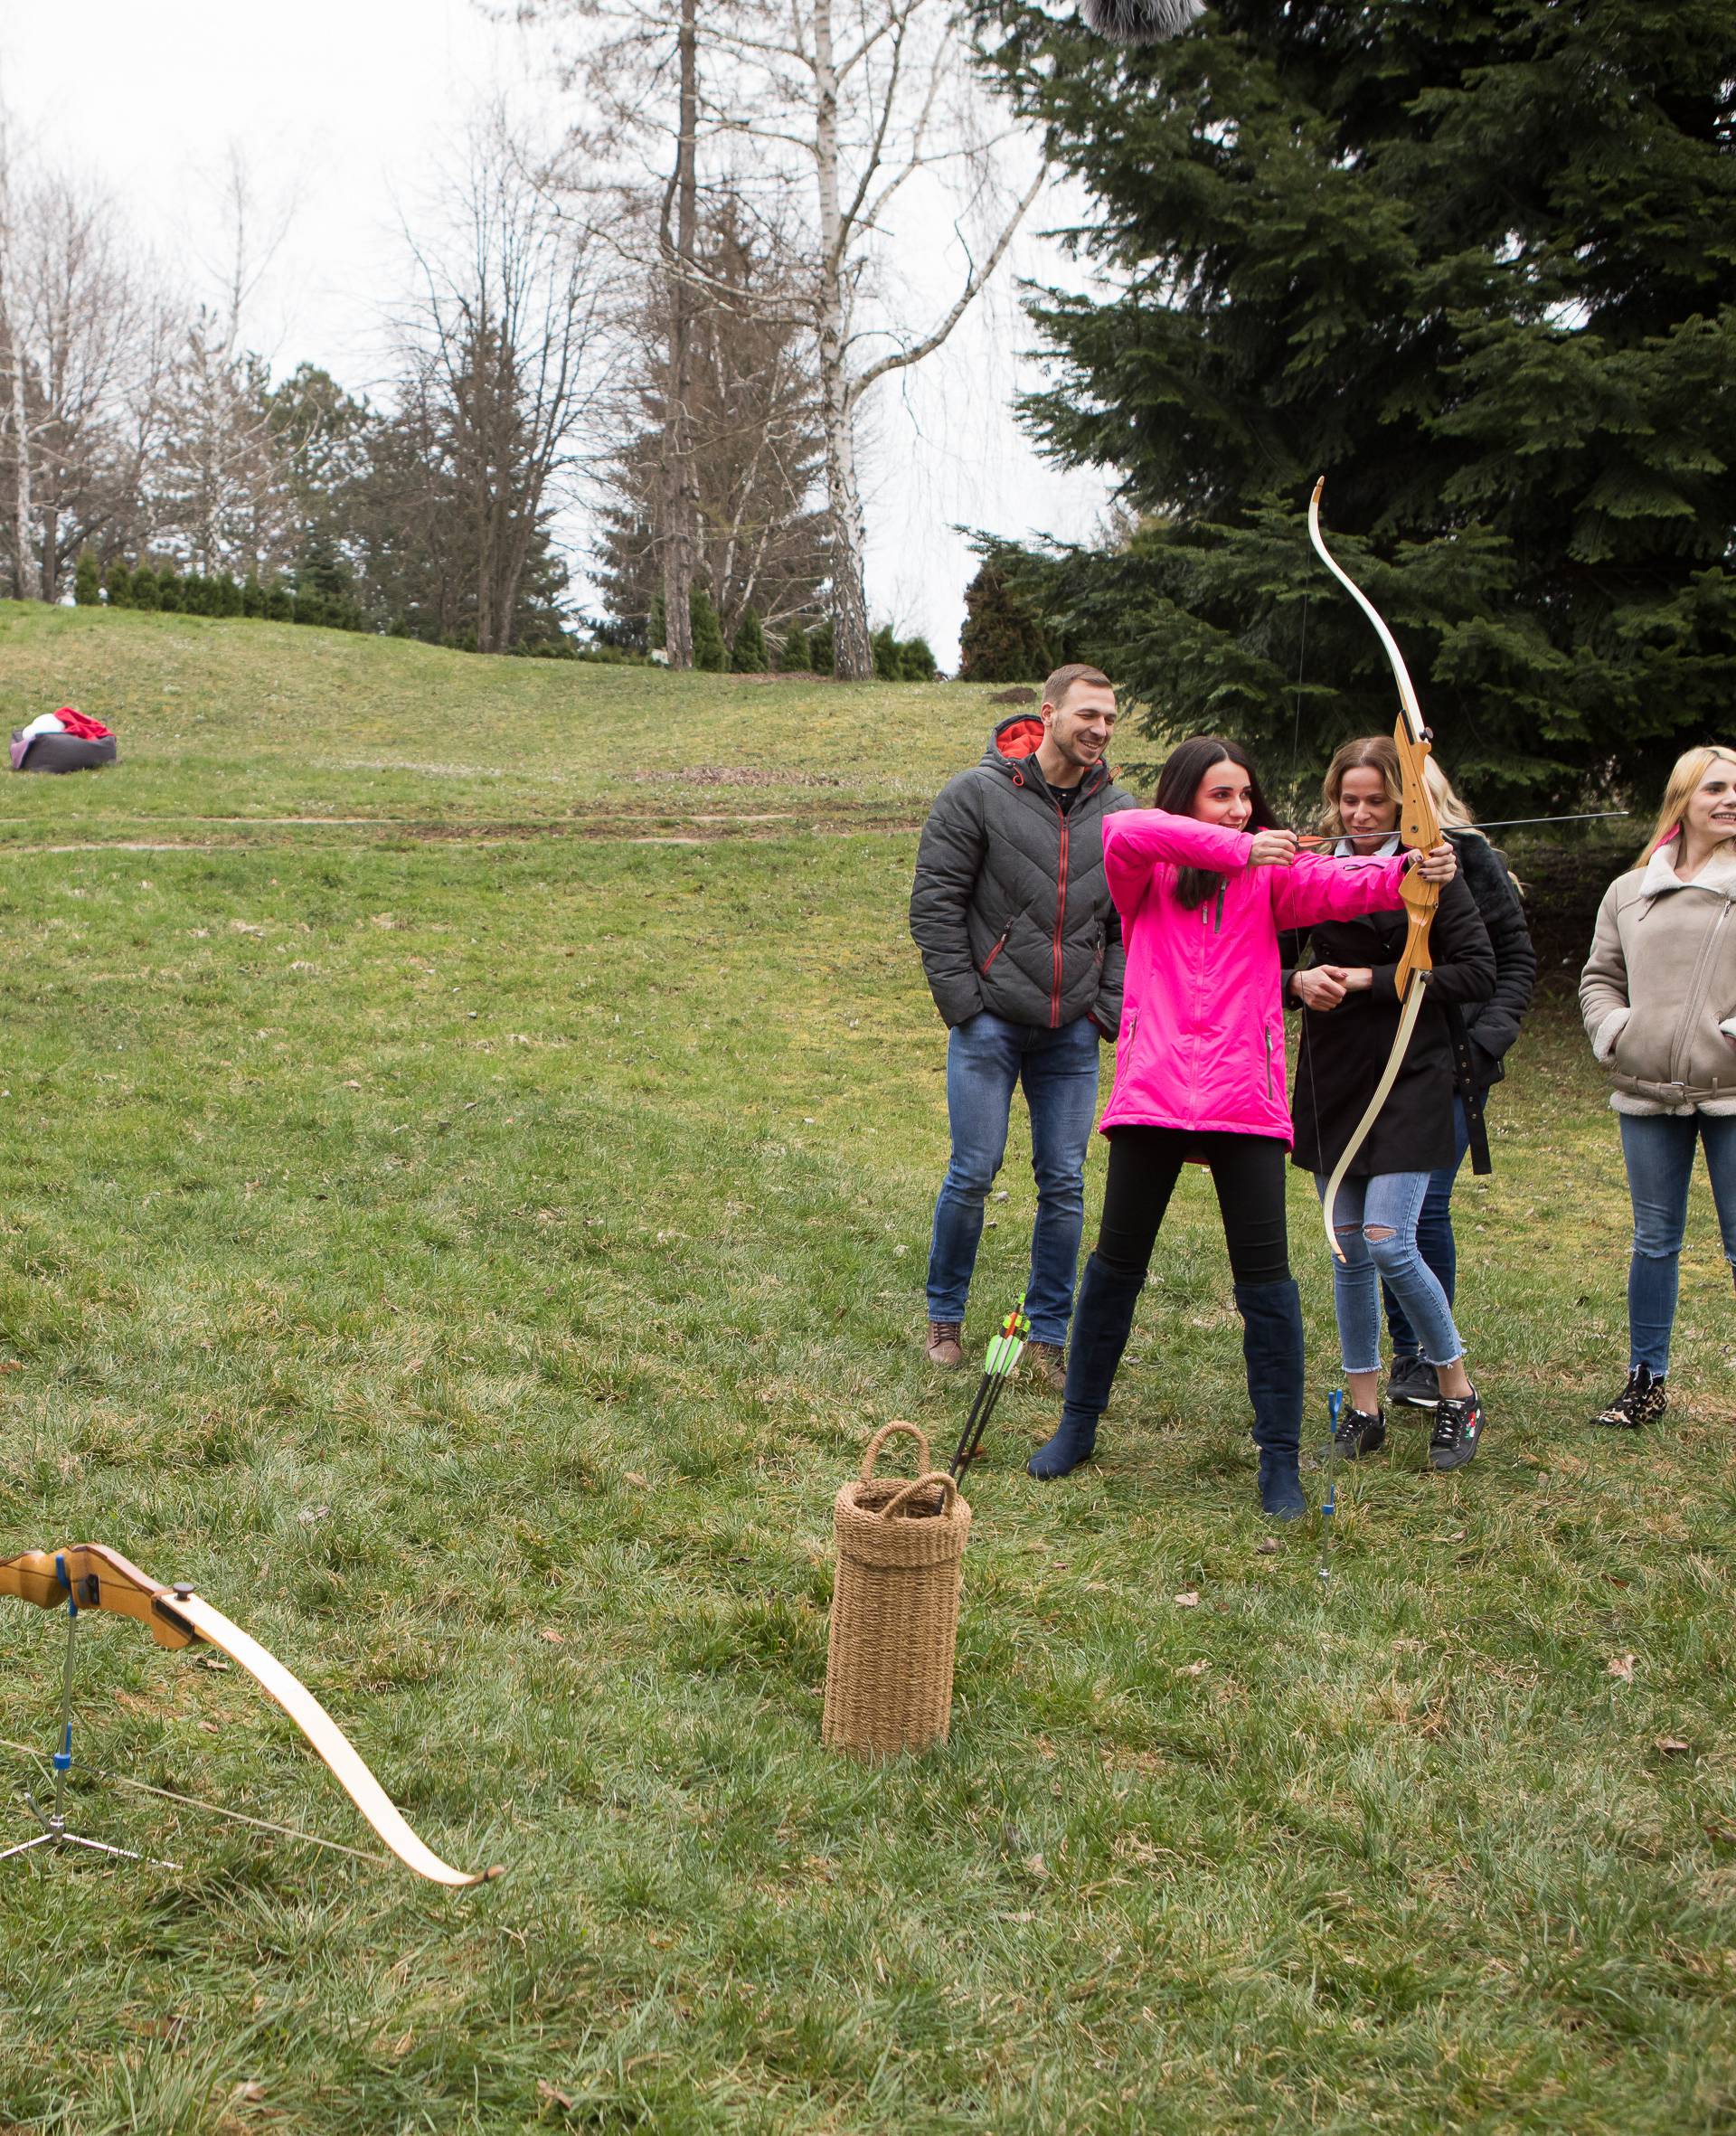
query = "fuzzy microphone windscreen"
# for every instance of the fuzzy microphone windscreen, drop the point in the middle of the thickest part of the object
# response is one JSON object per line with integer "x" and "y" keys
{"x": 1140, "y": 22}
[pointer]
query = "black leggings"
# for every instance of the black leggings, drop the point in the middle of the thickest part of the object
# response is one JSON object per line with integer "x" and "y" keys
{"x": 1247, "y": 1172}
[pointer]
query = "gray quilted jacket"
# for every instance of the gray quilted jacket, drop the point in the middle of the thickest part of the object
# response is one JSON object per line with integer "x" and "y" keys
{"x": 1010, "y": 907}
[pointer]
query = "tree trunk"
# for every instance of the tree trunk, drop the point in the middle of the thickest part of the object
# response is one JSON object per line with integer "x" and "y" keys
{"x": 679, "y": 488}
{"x": 25, "y": 580}
{"x": 852, "y": 654}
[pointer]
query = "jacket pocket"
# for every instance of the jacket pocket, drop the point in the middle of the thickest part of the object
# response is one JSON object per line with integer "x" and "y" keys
{"x": 999, "y": 945}
{"x": 1266, "y": 1036}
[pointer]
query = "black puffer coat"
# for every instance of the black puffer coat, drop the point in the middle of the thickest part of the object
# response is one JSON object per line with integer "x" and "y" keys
{"x": 1010, "y": 907}
{"x": 1345, "y": 1049}
{"x": 1491, "y": 1026}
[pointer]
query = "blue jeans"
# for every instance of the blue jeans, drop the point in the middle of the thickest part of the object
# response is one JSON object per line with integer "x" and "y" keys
{"x": 1435, "y": 1240}
{"x": 1390, "y": 1201}
{"x": 986, "y": 1057}
{"x": 1659, "y": 1153}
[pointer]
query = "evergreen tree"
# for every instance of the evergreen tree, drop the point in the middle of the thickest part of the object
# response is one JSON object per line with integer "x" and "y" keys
{"x": 119, "y": 585}
{"x": 819, "y": 647}
{"x": 1476, "y": 265}
{"x": 278, "y": 606}
{"x": 657, "y": 628}
{"x": 87, "y": 586}
{"x": 253, "y": 595}
{"x": 169, "y": 593}
{"x": 710, "y": 655}
{"x": 748, "y": 654}
{"x": 792, "y": 653}
{"x": 1002, "y": 640}
{"x": 143, "y": 585}
{"x": 888, "y": 665}
{"x": 916, "y": 661}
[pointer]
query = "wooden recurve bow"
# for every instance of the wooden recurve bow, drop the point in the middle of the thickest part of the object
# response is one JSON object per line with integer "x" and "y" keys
{"x": 91, "y": 1576}
{"x": 1418, "y": 829}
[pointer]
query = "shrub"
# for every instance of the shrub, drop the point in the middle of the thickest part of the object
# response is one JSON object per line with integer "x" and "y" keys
{"x": 144, "y": 586}
{"x": 278, "y": 606}
{"x": 1002, "y": 641}
{"x": 711, "y": 656}
{"x": 252, "y": 596}
{"x": 916, "y": 661}
{"x": 888, "y": 667}
{"x": 747, "y": 655}
{"x": 121, "y": 585}
{"x": 819, "y": 647}
{"x": 170, "y": 593}
{"x": 794, "y": 652}
{"x": 87, "y": 585}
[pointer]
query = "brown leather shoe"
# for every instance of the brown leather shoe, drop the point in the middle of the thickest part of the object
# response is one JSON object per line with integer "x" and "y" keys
{"x": 1046, "y": 1362}
{"x": 947, "y": 1343}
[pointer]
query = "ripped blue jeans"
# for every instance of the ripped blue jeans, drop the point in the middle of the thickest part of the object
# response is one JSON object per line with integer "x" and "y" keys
{"x": 1390, "y": 1201}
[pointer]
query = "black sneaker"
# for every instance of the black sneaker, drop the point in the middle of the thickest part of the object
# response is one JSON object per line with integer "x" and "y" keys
{"x": 1411, "y": 1383}
{"x": 1641, "y": 1402}
{"x": 1356, "y": 1433}
{"x": 1458, "y": 1426}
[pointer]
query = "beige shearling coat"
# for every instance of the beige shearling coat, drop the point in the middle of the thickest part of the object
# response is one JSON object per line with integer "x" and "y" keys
{"x": 1658, "y": 991}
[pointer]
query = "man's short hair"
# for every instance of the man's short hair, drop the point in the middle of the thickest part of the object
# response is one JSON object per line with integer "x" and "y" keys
{"x": 1055, "y": 689}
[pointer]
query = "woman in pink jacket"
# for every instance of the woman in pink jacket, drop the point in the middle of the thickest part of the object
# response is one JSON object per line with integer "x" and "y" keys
{"x": 1204, "y": 883}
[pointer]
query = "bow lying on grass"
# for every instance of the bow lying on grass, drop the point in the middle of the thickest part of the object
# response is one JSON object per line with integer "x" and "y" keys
{"x": 999, "y": 1361}
{"x": 91, "y": 1576}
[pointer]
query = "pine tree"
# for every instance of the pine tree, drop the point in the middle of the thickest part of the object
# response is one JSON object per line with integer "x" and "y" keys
{"x": 143, "y": 585}
{"x": 168, "y": 587}
{"x": 1477, "y": 267}
{"x": 710, "y": 655}
{"x": 657, "y": 627}
{"x": 87, "y": 585}
{"x": 748, "y": 654}
{"x": 120, "y": 584}
{"x": 1002, "y": 640}
{"x": 792, "y": 653}
{"x": 280, "y": 608}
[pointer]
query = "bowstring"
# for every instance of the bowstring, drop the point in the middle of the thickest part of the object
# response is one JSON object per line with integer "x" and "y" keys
{"x": 1296, "y": 812}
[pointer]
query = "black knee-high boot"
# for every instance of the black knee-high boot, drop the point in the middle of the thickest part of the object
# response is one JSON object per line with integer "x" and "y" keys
{"x": 1102, "y": 1317}
{"x": 1272, "y": 1344}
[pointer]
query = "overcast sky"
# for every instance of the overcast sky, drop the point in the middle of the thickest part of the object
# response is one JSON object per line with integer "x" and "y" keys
{"x": 343, "y": 108}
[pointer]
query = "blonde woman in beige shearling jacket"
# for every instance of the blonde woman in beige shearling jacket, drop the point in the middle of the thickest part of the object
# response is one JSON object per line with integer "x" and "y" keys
{"x": 1658, "y": 996}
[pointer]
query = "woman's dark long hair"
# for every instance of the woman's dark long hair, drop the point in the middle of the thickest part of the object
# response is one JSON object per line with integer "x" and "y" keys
{"x": 1178, "y": 783}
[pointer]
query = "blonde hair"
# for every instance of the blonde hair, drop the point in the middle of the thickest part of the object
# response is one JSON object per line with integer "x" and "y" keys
{"x": 1689, "y": 769}
{"x": 1452, "y": 812}
{"x": 1370, "y": 752}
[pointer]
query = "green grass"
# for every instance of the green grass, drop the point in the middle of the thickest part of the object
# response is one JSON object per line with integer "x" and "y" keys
{"x": 469, "y": 1159}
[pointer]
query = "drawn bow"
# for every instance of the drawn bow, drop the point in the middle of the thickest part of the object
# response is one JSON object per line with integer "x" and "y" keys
{"x": 91, "y": 1576}
{"x": 1418, "y": 829}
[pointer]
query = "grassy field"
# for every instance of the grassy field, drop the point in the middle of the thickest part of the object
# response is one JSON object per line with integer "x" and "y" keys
{"x": 470, "y": 1132}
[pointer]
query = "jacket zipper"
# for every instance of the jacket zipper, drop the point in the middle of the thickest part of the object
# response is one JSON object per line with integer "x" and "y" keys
{"x": 1267, "y": 1036}
{"x": 1060, "y": 916}
{"x": 1695, "y": 997}
{"x": 1000, "y": 944}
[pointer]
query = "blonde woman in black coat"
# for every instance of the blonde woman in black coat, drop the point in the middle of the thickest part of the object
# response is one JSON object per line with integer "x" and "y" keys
{"x": 1351, "y": 1011}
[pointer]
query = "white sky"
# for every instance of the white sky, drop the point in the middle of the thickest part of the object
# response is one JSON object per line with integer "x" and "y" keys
{"x": 343, "y": 107}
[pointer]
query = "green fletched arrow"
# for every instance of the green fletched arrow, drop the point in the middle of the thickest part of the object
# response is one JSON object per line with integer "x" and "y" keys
{"x": 1000, "y": 1361}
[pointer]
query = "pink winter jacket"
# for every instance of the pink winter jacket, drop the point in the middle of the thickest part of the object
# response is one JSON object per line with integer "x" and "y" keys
{"x": 1202, "y": 1042}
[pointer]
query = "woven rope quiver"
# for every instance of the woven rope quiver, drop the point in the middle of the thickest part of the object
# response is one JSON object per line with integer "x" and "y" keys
{"x": 901, "y": 1548}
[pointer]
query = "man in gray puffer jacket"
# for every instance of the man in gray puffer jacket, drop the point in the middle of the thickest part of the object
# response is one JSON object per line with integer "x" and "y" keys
{"x": 1022, "y": 945}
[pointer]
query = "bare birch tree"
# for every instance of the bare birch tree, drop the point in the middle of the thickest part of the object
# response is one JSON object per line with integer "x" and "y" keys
{"x": 861, "y": 99}
{"x": 26, "y": 581}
